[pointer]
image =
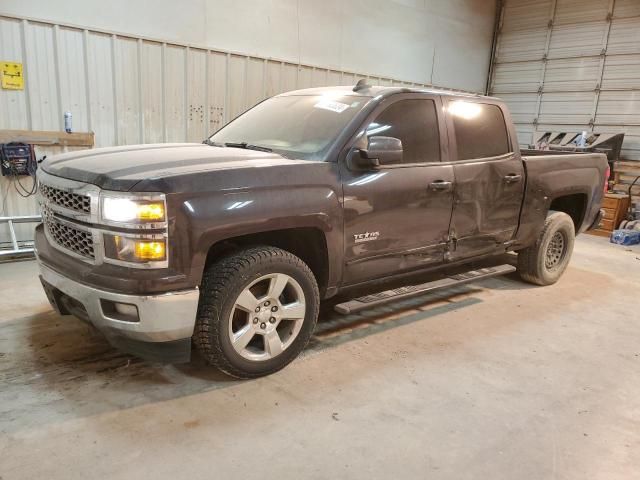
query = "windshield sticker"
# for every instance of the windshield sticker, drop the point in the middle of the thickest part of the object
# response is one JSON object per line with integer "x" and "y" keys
{"x": 331, "y": 106}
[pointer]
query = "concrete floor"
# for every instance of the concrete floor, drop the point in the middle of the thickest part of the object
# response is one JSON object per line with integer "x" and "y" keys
{"x": 498, "y": 380}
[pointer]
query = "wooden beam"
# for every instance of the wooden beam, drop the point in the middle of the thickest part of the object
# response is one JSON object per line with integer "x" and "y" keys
{"x": 48, "y": 138}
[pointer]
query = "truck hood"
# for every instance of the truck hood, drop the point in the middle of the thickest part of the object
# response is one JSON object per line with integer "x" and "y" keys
{"x": 120, "y": 168}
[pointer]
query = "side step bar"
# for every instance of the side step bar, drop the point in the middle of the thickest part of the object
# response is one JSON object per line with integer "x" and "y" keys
{"x": 376, "y": 299}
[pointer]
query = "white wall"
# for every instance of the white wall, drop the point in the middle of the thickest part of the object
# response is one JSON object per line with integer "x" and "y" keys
{"x": 441, "y": 42}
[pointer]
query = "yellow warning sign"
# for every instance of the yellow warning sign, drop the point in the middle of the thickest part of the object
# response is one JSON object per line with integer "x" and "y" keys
{"x": 12, "y": 78}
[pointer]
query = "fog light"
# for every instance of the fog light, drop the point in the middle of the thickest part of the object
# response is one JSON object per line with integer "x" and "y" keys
{"x": 149, "y": 250}
{"x": 138, "y": 250}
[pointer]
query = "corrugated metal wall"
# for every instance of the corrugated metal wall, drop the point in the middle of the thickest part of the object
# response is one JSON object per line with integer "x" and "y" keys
{"x": 134, "y": 90}
{"x": 571, "y": 65}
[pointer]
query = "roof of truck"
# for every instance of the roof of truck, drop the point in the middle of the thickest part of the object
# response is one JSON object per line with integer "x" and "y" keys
{"x": 378, "y": 91}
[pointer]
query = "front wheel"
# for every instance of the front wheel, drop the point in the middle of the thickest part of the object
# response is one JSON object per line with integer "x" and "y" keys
{"x": 257, "y": 311}
{"x": 544, "y": 262}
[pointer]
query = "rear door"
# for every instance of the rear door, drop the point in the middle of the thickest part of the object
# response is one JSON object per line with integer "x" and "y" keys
{"x": 397, "y": 216}
{"x": 489, "y": 177}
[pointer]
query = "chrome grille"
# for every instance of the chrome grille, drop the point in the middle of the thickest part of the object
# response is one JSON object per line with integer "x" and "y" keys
{"x": 71, "y": 201}
{"x": 73, "y": 239}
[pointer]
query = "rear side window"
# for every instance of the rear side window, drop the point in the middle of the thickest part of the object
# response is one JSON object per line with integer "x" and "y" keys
{"x": 415, "y": 123}
{"x": 480, "y": 130}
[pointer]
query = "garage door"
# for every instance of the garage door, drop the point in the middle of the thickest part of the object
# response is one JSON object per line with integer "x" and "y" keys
{"x": 571, "y": 65}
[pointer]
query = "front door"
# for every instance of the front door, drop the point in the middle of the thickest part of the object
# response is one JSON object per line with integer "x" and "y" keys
{"x": 397, "y": 216}
{"x": 489, "y": 179}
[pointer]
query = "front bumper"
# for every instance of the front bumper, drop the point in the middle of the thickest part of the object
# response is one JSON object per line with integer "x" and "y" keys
{"x": 161, "y": 329}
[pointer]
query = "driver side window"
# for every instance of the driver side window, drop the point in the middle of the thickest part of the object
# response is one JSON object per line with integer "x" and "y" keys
{"x": 415, "y": 123}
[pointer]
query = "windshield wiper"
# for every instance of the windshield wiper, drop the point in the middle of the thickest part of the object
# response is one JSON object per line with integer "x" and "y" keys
{"x": 247, "y": 146}
{"x": 212, "y": 144}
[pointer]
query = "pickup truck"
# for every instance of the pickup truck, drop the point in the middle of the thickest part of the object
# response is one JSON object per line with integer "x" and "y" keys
{"x": 230, "y": 245}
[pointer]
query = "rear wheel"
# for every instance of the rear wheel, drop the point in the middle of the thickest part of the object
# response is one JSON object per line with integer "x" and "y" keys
{"x": 257, "y": 311}
{"x": 544, "y": 262}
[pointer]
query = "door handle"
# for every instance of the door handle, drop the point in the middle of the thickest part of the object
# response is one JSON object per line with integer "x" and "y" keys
{"x": 512, "y": 178}
{"x": 440, "y": 186}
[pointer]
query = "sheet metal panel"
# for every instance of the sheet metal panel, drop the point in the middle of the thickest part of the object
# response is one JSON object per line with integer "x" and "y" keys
{"x": 580, "y": 11}
{"x": 152, "y": 96}
{"x": 621, "y": 72}
{"x": 624, "y": 36}
{"x": 127, "y": 86}
{"x": 566, "y": 107}
{"x": 572, "y": 74}
{"x": 520, "y": 45}
{"x": 523, "y": 15}
{"x": 73, "y": 81}
{"x": 517, "y": 77}
{"x": 522, "y": 106}
{"x": 273, "y": 78}
{"x": 289, "y": 77}
{"x": 255, "y": 81}
{"x": 197, "y": 90}
{"x": 13, "y": 102}
{"x": 175, "y": 95}
{"x": 101, "y": 88}
{"x": 524, "y": 131}
{"x": 217, "y": 90}
{"x": 619, "y": 108}
{"x": 42, "y": 81}
{"x": 236, "y": 91}
{"x": 577, "y": 40}
{"x": 626, "y": 8}
{"x": 319, "y": 77}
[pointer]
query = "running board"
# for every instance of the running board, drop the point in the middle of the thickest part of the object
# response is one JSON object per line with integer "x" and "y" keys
{"x": 376, "y": 299}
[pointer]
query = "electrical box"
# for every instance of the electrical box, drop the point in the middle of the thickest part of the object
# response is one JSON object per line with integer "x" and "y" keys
{"x": 17, "y": 159}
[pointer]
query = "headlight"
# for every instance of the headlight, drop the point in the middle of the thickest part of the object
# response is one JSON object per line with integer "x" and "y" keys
{"x": 137, "y": 250}
{"x": 132, "y": 210}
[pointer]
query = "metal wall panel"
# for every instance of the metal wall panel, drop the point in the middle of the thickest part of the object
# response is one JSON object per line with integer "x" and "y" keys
{"x": 580, "y": 11}
{"x": 13, "y": 103}
{"x": 130, "y": 89}
{"x": 152, "y": 92}
{"x": 517, "y": 77}
{"x": 101, "y": 89}
{"x": 523, "y": 15}
{"x": 197, "y": 127}
{"x": 73, "y": 81}
{"x": 42, "y": 81}
{"x": 127, "y": 86}
{"x": 577, "y": 40}
{"x": 520, "y": 45}
{"x": 626, "y": 8}
{"x": 571, "y": 65}
{"x": 572, "y": 74}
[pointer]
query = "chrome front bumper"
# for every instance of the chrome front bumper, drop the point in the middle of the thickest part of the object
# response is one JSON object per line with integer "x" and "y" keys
{"x": 162, "y": 318}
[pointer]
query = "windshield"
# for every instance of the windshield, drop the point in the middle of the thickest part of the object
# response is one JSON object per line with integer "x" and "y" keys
{"x": 296, "y": 126}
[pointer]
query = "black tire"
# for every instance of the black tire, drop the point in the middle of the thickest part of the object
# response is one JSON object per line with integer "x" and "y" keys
{"x": 223, "y": 282}
{"x": 543, "y": 263}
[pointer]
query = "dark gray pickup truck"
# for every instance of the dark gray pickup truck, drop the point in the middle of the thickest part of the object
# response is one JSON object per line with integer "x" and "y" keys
{"x": 230, "y": 245}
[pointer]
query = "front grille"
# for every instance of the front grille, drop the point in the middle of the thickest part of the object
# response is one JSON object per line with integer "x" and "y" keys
{"x": 72, "y": 201}
{"x": 76, "y": 240}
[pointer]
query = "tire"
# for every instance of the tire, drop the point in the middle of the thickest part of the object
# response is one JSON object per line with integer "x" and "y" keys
{"x": 225, "y": 323}
{"x": 544, "y": 262}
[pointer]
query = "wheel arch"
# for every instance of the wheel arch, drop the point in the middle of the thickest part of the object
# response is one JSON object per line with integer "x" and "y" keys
{"x": 574, "y": 205}
{"x": 307, "y": 243}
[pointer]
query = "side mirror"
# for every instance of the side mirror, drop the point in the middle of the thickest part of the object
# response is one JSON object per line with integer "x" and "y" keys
{"x": 382, "y": 151}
